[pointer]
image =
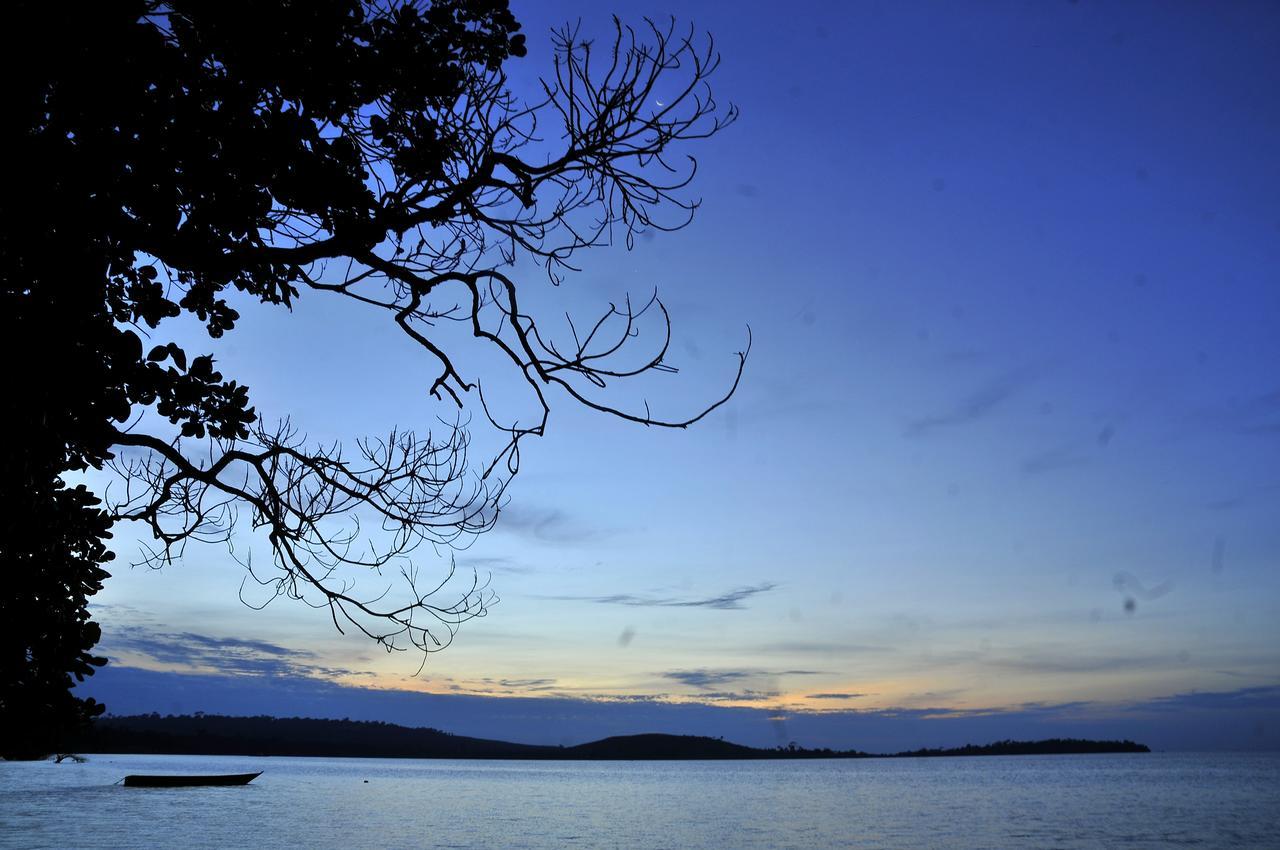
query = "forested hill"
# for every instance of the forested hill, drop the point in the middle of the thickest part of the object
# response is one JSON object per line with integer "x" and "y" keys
{"x": 294, "y": 736}
{"x": 212, "y": 734}
{"x": 1052, "y": 746}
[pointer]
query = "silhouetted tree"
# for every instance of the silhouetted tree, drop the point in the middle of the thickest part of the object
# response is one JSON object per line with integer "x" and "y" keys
{"x": 169, "y": 158}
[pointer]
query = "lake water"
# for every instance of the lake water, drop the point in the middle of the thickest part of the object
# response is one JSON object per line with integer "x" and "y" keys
{"x": 1149, "y": 800}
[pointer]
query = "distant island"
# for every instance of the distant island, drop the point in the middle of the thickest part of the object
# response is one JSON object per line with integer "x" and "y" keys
{"x": 209, "y": 734}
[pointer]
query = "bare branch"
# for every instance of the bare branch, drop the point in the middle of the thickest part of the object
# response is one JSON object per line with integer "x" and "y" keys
{"x": 433, "y": 245}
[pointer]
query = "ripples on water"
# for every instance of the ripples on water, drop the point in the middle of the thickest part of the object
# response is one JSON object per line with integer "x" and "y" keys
{"x": 1155, "y": 800}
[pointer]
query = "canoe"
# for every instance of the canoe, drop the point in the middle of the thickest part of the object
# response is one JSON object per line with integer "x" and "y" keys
{"x": 142, "y": 780}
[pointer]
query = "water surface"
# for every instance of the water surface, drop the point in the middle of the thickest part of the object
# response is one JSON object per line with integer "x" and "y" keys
{"x": 1135, "y": 800}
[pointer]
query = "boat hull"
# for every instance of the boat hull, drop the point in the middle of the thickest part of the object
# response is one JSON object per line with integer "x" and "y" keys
{"x": 147, "y": 781}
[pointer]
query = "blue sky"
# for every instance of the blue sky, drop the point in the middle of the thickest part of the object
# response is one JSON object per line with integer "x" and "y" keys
{"x": 1012, "y": 273}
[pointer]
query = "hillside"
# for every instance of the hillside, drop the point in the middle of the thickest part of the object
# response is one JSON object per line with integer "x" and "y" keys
{"x": 296, "y": 736}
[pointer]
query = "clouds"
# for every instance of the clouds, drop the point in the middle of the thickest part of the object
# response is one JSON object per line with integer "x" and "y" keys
{"x": 738, "y": 696}
{"x": 1264, "y": 697}
{"x": 819, "y": 648}
{"x": 504, "y": 565}
{"x": 223, "y": 655}
{"x": 728, "y": 601}
{"x": 975, "y": 406}
{"x": 526, "y": 683}
{"x": 757, "y": 685}
{"x": 1254, "y": 415}
{"x": 707, "y": 678}
{"x": 1247, "y": 718}
{"x": 1067, "y": 456}
{"x": 713, "y": 678}
{"x": 1044, "y": 664}
{"x": 1129, "y": 583}
{"x": 488, "y": 686}
{"x": 547, "y": 525}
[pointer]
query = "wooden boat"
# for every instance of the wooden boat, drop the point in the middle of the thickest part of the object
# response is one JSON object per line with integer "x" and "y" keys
{"x": 142, "y": 780}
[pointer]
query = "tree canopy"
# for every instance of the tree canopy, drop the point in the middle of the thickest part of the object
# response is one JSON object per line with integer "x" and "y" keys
{"x": 175, "y": 158}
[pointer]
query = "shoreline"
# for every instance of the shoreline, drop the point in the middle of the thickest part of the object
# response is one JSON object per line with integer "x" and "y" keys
{"x": 304, "y": 737}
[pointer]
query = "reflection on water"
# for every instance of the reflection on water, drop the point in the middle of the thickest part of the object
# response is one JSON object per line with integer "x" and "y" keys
{"x": 1212, "y": 800}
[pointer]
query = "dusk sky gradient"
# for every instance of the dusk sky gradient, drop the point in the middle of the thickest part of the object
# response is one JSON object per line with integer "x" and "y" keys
{"x": 1006, "y": 456}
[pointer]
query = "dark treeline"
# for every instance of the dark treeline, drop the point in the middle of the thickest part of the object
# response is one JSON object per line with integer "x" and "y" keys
{"x": 209, "y": 734}
{"x": 1050, "y": 747}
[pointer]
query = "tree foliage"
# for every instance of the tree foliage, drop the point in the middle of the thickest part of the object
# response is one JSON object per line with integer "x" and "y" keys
{"x": 177, "y": 158}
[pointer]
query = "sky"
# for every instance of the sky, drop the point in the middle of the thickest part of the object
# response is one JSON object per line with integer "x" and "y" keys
{"x": 1005, "y": 461}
